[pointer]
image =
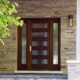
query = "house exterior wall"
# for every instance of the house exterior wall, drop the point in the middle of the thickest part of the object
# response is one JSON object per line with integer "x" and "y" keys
{"x": 78, "y": 30}
{"x": 42, "y": 9}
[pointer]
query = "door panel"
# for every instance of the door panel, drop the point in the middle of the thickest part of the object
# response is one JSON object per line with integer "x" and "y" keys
{"x": 56, "y": 45}
{"x": 39, "y": 44}
{"x": 24, "y": 43}
{"x": 22, "y": 47}
{"x": 40, "y": 30}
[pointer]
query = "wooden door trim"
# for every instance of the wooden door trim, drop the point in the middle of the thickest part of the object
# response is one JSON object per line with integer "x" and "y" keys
{"x": 20, "y": 47}
{"x": 29, "y": 39}
{"x": 51, "y": 42}
{"x": 29, "y": 57}
{"x": 59, "y": 43}
{"x": 54, "y": 66}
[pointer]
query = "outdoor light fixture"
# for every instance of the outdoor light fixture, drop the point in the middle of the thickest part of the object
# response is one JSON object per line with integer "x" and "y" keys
{"x": 70, "y": 18}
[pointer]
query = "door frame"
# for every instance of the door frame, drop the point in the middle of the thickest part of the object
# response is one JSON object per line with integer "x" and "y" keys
{"x": 27, "y": 20}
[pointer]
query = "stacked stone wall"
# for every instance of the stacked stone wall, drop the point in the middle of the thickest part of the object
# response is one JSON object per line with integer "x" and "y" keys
{"x": 42, "y": 9}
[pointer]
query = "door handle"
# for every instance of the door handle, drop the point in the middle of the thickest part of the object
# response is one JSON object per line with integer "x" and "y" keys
{"x": 30, "y": 48}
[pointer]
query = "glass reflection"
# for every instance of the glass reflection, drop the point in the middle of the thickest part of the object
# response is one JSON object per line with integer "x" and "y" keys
{"x": 39, "y": 43}
{"x": 24, "y": 44}
{"x": 39, "y": 61}
{"x": 39, "y": 34}
{"x": 55, "y": 43}
{"x": 39, "y": 25}
{"x": 39, "y": 52}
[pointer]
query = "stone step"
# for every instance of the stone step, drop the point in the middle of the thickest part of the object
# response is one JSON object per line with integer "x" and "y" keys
{"x": 28, "y": 79}
{"x": 33, "y": 77}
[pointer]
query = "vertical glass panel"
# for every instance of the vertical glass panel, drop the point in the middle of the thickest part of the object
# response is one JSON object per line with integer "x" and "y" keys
{"x": 24, "y": 44}
{"x": 39, "y": 61}
{"x": 39, "y": 43}
{"x": 55, "y": 43}
{"x": 39, "y": 52}
{"x": 39, "y": 34}
{"x": 39, "y": 25}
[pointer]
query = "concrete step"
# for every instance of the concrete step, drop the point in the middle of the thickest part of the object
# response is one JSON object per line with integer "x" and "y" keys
{"x": 33, "y": 77}
{"x": 29, "y": 79}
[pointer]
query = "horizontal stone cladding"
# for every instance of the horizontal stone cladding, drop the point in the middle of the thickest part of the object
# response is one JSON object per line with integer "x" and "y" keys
{"x": 42, "y": 9}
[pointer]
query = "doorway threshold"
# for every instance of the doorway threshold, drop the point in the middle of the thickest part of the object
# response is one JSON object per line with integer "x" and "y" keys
{"x": 39, "y": 72}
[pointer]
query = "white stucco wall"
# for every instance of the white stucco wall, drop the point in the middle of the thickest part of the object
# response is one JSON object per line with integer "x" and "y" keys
{"x": 78, "y": 31}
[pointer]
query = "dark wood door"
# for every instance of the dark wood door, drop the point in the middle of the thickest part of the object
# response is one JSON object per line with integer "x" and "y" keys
{"x": 39, "y": 44}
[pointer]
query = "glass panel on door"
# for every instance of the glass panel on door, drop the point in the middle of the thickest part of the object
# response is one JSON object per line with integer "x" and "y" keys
{"x": 39, "y": 34}
{"x": 39, "y": 43}
{"x": 40, "y": 25}
{"x": 39, "y": 52}
{"x": 55, "y": 43}
{"x": 39, "y": 61}
{"x": 24, "y": 42}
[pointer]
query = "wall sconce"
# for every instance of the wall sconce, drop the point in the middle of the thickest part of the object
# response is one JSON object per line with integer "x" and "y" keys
{"x": 70, "y": 18}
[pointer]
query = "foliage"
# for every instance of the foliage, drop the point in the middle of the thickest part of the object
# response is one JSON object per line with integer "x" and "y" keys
{"x": 7, "y": 9}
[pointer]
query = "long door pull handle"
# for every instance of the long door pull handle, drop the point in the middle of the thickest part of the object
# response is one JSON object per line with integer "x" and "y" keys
{"x": 30, "y": 48}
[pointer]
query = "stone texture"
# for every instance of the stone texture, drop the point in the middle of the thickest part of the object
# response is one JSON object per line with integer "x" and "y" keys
{"x": 6, "y": 79}
{"x": 28, "y": 79}
{"x": 33, "y": 77}
{"x": 42, "y": 9}
{"x": 74, "y": 71}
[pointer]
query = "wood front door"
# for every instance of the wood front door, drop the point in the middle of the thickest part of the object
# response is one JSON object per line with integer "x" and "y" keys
{"x": 39, "y": 44}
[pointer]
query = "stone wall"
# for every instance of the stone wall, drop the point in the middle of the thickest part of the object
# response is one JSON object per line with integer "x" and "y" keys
{"x": 42, "y": 9}
{"x": 8, "y": 53}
